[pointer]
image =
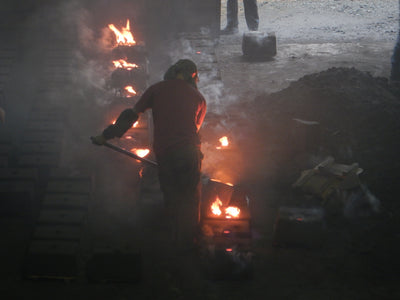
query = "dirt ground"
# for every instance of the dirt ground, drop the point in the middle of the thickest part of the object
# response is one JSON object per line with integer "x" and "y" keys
{"x": 335, "y": 42}
{"x": 314, "y": 38}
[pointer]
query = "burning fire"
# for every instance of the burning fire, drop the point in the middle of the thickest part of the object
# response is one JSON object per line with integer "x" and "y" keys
{"x": 230, "y": 211}
{"x": 124, "y": 64}
{"x": 215, "y": 207}
{"x": 125, "y": 36}
{"x": 227, "y": 183}
{"x": 140, "y": 152}
{"x": 224, "y": 142}
{"x": 133, "y": 126}
{"x": 130, "y": 90}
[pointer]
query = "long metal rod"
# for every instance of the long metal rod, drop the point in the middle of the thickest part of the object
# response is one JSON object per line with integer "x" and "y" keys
{"x": 130, "y": 154}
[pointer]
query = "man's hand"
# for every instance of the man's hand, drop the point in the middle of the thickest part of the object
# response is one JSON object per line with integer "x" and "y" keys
{"x": 98, "y": 140}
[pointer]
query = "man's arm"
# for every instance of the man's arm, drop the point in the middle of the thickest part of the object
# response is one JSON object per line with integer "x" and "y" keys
{"x": 201, "y": 114}
{"x": 125, "y": 120}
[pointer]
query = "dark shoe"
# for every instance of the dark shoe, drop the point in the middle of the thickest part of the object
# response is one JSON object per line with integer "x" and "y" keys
{"x": 229, "y": 30}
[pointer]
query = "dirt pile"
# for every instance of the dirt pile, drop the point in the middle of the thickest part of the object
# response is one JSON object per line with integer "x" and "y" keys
{"x": 341, "y": 112}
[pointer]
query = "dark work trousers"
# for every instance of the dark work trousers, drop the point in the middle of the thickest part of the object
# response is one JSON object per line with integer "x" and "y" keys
{"x": 250, "y": 13}
{"x": 395, "y": 72}
{"x": 395, "y": 59}
{"x": 179, "y": 175}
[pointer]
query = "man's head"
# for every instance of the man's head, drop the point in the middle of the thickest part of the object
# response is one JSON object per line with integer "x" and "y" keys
{"x": 184, "y": 69}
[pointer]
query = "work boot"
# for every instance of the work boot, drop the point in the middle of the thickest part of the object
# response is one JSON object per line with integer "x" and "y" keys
{"x": 229, "y": 30}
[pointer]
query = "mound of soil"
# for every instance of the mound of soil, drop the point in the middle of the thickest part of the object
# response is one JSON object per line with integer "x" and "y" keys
{"x": 341, "y": 112}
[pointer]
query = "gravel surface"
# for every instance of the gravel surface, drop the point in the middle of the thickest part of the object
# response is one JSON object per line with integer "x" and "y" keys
{"x": 322, "y": 20}
{"x": 312, "y": 36}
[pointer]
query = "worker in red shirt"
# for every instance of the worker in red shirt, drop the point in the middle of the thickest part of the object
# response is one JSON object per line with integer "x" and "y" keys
{"x": 178, "y": 110}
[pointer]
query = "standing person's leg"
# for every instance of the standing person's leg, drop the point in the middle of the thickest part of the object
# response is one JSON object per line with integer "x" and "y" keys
{"x": 251, "y": 14}
{"x": 395, "y": 59}
{"x": 179, "y": 173}
{"x": 395, "y": 71}
{"x": 232, "y": 21}
{"x": 188, "y": 179}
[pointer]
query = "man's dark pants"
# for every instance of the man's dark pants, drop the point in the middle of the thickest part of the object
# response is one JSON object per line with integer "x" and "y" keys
{"x": 179, "y": 175}
{"x": 250, "y": 13}
{"x": 395, "y": 72}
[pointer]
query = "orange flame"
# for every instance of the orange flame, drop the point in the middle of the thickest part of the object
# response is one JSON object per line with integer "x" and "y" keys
{"x": 215, "y": 207}
{"x": 130, "y": 89}
{"x": 224, "y": 142}
{"x": 217, "y": 180}
{"x": 133, "y": 126}
{"x": 232, "y": 212}
{"x": 125, "y": 36}
{"x": 140, "y": 152}
{"x": 124, "y": 64}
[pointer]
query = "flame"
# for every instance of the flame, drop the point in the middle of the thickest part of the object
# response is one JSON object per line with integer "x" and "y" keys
{"x": 123, "y": 64}
{"x": 125, "y": 36}
{"x": 130, "y": 89}
{"x": 133, "y": 126}
{"x": 217, "y": 180}
{"x": 140, "y": 152}
{"x": 224, "y": 142}
{"x": 141, "y": 173}
{"x": 232, "y": 212}
{"x": 215, "y": 207}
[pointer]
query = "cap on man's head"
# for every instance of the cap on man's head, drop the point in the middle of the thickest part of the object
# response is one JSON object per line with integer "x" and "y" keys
{"x": 186, "y": 67}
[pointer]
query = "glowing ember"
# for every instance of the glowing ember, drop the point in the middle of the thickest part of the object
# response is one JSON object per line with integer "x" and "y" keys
{"x": 130, "y": 90}
{"x": 125, "y": 36}
{"x": 215, "y": 207}
{"x": 135, "y": 124}
{"x": 140, "y": 152}
{"x": 224, "y": 142}
{"x": 124, "y": 64}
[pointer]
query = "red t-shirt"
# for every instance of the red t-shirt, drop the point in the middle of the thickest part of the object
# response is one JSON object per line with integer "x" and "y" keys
{"x": 178, "y": 112}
